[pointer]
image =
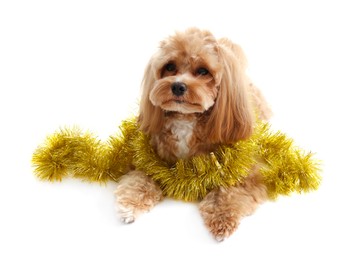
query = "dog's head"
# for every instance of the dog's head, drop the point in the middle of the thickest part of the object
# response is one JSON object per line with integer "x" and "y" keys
{"x": 192, "y": 72}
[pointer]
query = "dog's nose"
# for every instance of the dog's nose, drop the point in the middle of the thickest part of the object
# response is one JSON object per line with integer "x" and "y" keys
{"x": 178, "y": 88}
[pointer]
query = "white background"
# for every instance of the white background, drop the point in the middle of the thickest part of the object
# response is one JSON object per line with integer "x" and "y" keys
{"x": 81, "y": 63}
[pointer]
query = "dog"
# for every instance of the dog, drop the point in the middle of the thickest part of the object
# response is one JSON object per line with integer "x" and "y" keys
{"x": 195, "y": 97}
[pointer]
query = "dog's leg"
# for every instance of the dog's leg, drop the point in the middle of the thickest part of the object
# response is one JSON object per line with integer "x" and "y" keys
{"x": 136, "y": 193}
{"x": 223, "y": 208}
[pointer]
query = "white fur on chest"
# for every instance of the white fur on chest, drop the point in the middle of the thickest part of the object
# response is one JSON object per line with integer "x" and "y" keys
{"x": 182, "y": 131}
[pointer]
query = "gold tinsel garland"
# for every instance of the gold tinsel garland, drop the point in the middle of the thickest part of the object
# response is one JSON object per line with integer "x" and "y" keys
{"x": 285, "y": 168}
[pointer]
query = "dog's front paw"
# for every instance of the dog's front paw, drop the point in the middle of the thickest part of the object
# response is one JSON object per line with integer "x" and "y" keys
{"x": 221, "y": 216}
{"x": 221, "y": 226}
{"x": 136, "y": 193}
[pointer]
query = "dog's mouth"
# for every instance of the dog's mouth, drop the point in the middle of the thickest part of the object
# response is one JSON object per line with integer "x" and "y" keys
{"x": 180, "y": 102}
{"x": 182, "y": 106}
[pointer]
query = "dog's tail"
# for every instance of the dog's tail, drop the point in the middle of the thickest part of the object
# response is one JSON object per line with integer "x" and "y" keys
{"x": 70, "y": 152}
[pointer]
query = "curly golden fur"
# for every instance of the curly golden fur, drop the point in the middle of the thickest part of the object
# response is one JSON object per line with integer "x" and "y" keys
{"x": 196, "y": 96}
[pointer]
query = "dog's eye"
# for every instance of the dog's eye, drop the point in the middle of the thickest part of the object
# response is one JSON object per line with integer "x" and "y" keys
{"x": 170, "y": 67}
{"x": 202, "y": 71}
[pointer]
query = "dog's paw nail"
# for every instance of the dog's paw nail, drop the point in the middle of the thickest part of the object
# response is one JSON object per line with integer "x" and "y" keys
{"x": 128, "y": 220}
{"x": 219, "y": 238}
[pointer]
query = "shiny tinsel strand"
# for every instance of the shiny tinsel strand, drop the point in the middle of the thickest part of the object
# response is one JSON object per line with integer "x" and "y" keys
{"x": 285, "y": 168}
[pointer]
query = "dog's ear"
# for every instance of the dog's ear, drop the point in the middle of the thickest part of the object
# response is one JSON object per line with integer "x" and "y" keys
{"x": 150, "y": 116}
{"x": 231, "y": 118}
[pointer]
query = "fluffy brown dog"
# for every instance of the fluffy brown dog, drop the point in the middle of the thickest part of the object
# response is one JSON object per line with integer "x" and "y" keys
{"x": 195, "y": 97}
